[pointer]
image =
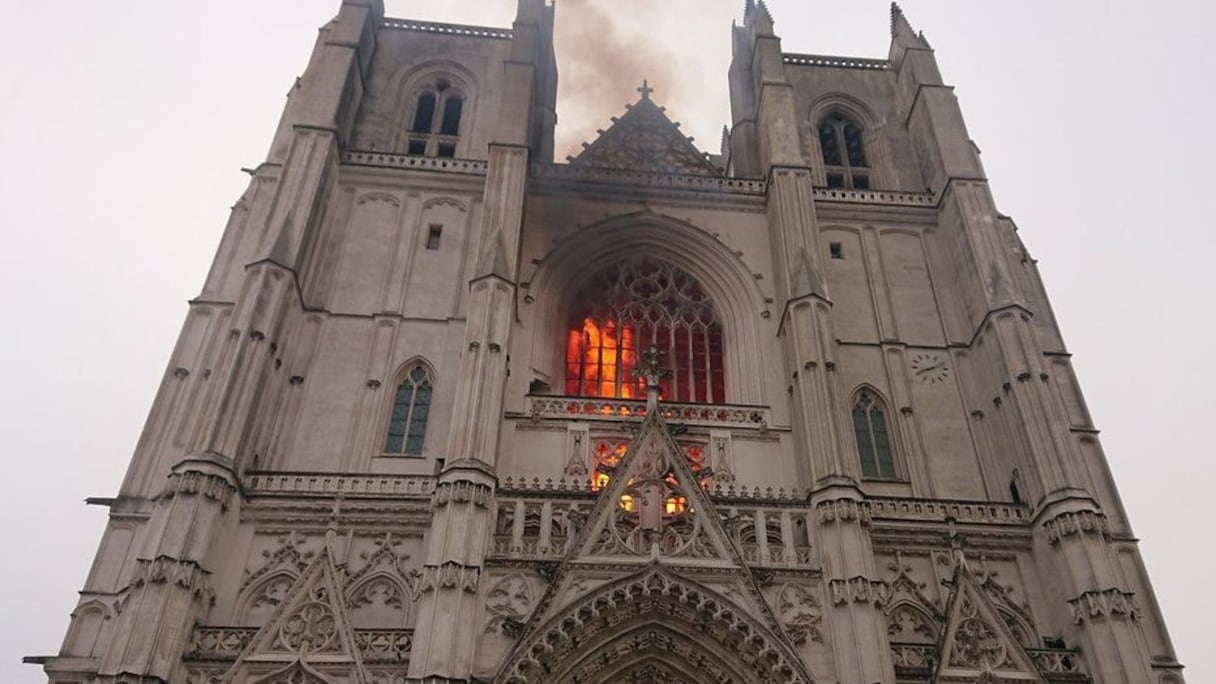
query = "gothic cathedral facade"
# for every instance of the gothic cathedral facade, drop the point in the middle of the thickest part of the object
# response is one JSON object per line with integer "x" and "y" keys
{"x": 446, "y": 411}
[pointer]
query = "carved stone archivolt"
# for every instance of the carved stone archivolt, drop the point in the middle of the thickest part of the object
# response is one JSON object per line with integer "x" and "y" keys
{"x": 598, "y": 638}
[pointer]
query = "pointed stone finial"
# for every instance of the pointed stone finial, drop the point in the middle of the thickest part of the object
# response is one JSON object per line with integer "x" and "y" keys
{"x": 748, "y": 7}
{"x": 897, "y": 13}
{"x": 653, "y": 372}
{"x": 645, "y": 90}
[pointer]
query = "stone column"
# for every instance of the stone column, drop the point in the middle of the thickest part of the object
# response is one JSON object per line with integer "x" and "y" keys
{"x": 856, "y": 595}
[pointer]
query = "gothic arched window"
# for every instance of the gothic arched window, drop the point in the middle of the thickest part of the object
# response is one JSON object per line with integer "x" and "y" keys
{"x": 873, "y": 437}
{"x": 630, "y": 306}
{"x": 411, "y": 408}
{"x": 437, "y": 117}
{"x": 844, "y": 154}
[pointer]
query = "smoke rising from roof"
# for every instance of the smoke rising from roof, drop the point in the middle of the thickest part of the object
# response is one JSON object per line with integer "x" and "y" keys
{"x": 605, "y": 49}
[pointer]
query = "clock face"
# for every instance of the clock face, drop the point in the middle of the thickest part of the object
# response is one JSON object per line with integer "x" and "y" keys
{"x": 928, "y": 367}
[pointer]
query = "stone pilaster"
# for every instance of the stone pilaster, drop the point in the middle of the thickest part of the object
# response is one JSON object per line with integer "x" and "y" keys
{"x": 170, "y": 589}
{"x": 855, "y": 592}
{"x": 1106, "y": 614}
{"x": 457, "y": 546}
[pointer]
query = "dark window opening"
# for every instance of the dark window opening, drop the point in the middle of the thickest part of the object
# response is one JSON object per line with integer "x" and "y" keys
{"x": 417, "y": 147}
{"x": 835, "y": 250}
{"x": 424, "y": 116}
{"x": 873, "y": 439}
{"x": 452, "y": 110}
{"x": 433, "y": 237}
{"x": 842, "y": 143}
{"x": 447, "y": 150}
{"x": 411, "y": 409}
{"x": 1014, "y": 493}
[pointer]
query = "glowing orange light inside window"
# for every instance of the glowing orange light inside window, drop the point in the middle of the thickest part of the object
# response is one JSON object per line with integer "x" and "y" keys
{"x": 676, "y": 504}
{"x": 600, "y": 360}
{"x": 627, "y": 502}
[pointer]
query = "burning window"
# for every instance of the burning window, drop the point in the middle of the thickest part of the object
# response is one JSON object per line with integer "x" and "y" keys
{"x": 635, "y": 304}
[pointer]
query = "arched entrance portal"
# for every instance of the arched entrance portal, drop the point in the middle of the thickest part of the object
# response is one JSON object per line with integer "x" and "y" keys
{"x": 653, "y": 627}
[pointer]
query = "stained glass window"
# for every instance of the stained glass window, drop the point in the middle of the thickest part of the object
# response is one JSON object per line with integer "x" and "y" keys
{"x": 411, "y": 408}
{"x": 627, "y": 308}
{"x": 873, "y": 439}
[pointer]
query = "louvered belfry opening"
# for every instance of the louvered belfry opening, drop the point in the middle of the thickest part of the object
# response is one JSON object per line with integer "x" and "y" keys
{"x": 630, "y": 306}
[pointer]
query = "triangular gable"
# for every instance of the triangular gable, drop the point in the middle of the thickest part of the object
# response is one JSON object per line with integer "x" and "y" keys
{"x": 653, "y": 508}
{"x": 977, "y": 645}
{"x": 311, "y": 625}
{"x": 644, "y": 139}
{"x": 613, "y": 540}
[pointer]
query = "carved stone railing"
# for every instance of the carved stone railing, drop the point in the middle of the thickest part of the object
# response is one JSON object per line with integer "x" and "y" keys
{"x": 326, "y": 484}
{"x": 590, "y": 408}
{"x": 1058, "y": 665}
{"x": 839, "y": 62}
{"x": 227, "y": 643}
{"x": 219, "y": 643}
{"x": 449, "y": 29}
{"x": 385, "y": 645}
{"x": 673, "y": 181}
{"x": 913, "y": 660}
{"x": 930, "y": 510}
{"x": 472, "y": 167}
{"x": 887, "y": 197}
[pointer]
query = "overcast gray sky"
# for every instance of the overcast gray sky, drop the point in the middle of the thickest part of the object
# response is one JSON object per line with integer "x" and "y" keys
{"x": 125, "y": 124}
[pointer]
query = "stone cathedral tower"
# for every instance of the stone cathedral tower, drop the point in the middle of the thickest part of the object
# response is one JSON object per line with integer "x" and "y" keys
{"x": 446, "y": 411}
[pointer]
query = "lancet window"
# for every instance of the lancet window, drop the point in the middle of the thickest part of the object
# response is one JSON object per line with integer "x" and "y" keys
{"x": 411, "y": 409}
{"x": 435, "y": 128}
{"x": 873, "y": 437}
{"x": 624, "y": 310}
{"x": 844, "y": 154}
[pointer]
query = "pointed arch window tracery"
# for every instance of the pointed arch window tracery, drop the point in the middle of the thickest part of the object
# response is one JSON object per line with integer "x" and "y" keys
{"x": 435, "y": 127}
{"x": 842, "y": 144}
{"x": 873, "y": 437}
{"x": 410, "y": 413}
{"x": 630, "y": 306}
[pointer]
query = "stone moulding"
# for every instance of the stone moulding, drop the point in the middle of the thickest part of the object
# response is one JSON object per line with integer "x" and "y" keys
{"x": 887, "y": 197}
{"x": 1056, "y": 665}
{"x": 323, "y": 484}
{"x": 590, "y": 408}
{"x": 666, "y": 181}
{"x": 475, "y": 167}
{"x": 448, "y": 29}
{"x": 838, "y": 62}
{"x": 210, "y": 644}
{"x": 959, "y": 511}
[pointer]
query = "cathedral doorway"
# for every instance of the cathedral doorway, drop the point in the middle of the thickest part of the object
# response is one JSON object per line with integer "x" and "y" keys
{"x": 654, "y": 626}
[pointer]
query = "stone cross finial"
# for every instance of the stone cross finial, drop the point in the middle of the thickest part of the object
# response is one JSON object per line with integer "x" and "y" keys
{"x": 653, "y": 373}
{"x": 645, "y": 90}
